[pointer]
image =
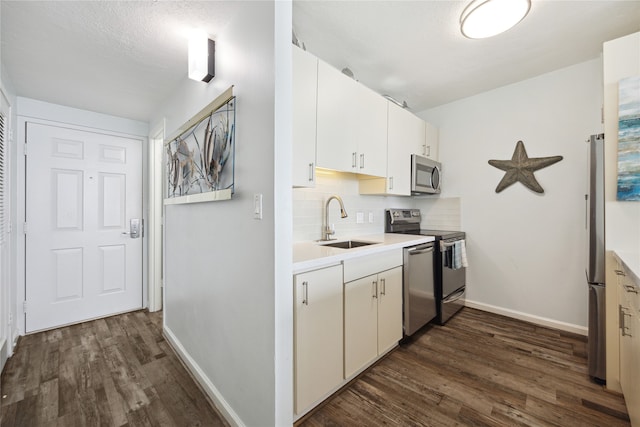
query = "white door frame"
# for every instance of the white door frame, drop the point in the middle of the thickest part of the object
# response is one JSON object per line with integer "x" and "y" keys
{"x": 156, "y": 208}
{"x": 94, "y": 126}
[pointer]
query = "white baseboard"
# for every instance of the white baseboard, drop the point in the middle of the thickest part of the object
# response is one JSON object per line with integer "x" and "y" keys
{"x": 542, "y": 321}
{"x": 213, "y": 393}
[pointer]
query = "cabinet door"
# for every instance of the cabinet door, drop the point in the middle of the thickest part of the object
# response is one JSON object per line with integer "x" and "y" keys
{"x": 633, "y": 399}
{"x": 626, "y": 335}
{"x": 432, "y": 142}
{"x": 371, "y": 131}
{"x": 406, "y": 136}
{"x": 336, "y": 137}
{"x": 305, "y": 87}
{"x": 389, "y": 309}
{"x": 318, "y": 330}
{"x": 360, "y": 323}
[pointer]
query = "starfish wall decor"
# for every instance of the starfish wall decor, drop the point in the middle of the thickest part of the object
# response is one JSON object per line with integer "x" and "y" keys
{"x": 521, "y": 168}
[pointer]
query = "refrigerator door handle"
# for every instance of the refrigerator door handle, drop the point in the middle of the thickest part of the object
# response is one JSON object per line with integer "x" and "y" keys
{"x": 586, "y": 211}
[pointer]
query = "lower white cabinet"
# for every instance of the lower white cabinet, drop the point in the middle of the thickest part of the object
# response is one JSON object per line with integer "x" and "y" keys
{"x": 318, "y": 333}
{"x": 372, "y": 318}
{"x": 629, "y": 298}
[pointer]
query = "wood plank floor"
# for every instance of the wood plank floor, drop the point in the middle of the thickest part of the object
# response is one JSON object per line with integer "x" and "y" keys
{"x": 480, "y": 369}
{"x": 117, "y": 371}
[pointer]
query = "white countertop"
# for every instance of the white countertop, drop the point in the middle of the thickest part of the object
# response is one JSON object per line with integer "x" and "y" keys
{"x": 313, "y": 255}
{"x": 631, "y": 261}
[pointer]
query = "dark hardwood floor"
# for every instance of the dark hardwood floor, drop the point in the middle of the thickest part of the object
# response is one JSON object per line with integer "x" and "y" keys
{"x": 117, "y": 371}
{"x": 480, "y": 369}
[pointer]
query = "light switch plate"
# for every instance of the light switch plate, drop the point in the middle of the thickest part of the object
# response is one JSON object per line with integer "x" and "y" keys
{"x": 257, "y": 206}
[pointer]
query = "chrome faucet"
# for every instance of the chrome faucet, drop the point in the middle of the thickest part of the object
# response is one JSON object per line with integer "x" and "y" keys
{"x": 328, "y": 230}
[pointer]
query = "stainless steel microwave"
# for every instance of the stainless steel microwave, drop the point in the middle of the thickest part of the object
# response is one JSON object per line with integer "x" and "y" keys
{"x": 425, "y": 175}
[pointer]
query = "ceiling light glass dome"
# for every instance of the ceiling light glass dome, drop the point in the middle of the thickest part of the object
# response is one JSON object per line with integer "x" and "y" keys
{"x": 486, "y": 18}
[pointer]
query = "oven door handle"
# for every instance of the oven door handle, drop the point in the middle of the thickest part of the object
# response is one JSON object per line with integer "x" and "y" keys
{"x": 416, "y": 251}
{"x": 455, "y": 296}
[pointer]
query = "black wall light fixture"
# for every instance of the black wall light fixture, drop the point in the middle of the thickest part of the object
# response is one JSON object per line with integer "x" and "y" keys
{"x": 202, "y": 58}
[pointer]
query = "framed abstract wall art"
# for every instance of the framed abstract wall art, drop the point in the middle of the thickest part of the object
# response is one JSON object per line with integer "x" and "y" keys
{"x": 200, "y": 156}
{"x": 629, "y": 139}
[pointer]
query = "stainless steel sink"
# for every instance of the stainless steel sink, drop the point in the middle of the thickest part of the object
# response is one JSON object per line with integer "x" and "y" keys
{"x": 348, "y": 244}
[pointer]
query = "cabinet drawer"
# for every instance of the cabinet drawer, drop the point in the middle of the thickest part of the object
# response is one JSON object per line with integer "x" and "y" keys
{"x": 371, "y": 264}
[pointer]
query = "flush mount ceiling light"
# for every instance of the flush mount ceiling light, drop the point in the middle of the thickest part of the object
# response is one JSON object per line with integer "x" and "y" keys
{"x": 201, "y": 56}
{"x": 486, "y": 18}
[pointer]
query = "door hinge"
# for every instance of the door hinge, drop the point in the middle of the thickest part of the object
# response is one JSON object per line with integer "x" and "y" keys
{"x": 24, "y": 228}
{"x": 24, "y": 149}
{"x": 24, "y": 306}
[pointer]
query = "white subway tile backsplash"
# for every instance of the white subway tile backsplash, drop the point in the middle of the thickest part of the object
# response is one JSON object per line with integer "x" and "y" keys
{"x": 308, "y": 208}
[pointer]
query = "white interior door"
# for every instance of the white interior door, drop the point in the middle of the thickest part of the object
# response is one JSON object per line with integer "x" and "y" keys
{"x": 82, "y": 262}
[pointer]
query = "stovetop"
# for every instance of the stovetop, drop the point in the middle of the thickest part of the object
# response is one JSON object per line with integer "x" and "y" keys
{"x": 407, "y": 221}
{"x": 438, "y": 234}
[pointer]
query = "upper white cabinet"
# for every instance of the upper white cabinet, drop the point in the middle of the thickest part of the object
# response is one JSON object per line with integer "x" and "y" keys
{"x": 371, "y": 132}
{"x": 305, "y": 90}
{"x": 431, "y": 144}
{"x": 351, "y": 125}
{"x": 406, "y": 136}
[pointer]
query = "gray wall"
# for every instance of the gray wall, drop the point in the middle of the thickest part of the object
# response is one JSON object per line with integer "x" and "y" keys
{"x": 526, "y": 250}
{"x": 220, "y": 263}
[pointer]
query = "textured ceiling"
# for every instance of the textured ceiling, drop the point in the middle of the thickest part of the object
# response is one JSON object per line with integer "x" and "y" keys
{"x": 414, "y": 51}
{"x": 124, "y": 58}
{"x": 119, "y": 58}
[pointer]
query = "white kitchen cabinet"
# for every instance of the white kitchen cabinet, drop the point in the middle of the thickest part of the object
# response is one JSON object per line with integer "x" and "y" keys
{"x": 305, "y": 89}
{"x": 432, "y": 142}
{"x": 389, "y": 309}
{"x": 406, "y": 135}
{"x": 351, "y": 125}
{"x": 372, "y": 318}
{"x": 371, "y": 132}
{"x": 629, "y": 300}
{"x": 318, "y": 333}
{"x": 337, "y": 144}
{"x": 360, "y": 323}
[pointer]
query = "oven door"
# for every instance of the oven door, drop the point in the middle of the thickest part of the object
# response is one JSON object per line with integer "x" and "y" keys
{"x": 451, "y": 304}
{"x": 452, "y": 279}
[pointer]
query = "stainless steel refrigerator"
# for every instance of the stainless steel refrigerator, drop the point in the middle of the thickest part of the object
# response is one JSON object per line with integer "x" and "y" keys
{"x": 596, "y": 261}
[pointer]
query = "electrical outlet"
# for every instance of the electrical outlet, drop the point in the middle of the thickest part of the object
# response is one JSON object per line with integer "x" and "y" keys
{"x": 359, "y": 217}
{"x": 370, "y": 217}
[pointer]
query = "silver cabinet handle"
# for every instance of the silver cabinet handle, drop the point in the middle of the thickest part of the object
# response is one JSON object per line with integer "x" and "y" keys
{"x": 375, "y": 288}
{"x": 384, "y": 286}
{"x": 623, "y": 322}
{"x": 305, "y": 293}
{"x": 427, "y": 150}
{"x": 630, "y": 288}
{"x": 362, "y": 161}
{"x": 620, "y": 272}
{"x": 311, "y": 172}
{"x": 390, "y": 183}
{"x": 353, "y": 159}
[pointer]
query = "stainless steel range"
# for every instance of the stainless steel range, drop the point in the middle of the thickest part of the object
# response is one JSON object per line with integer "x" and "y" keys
{"x": 449, "y": 276}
